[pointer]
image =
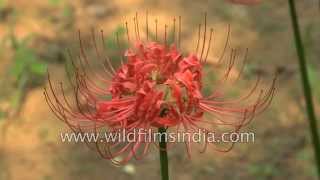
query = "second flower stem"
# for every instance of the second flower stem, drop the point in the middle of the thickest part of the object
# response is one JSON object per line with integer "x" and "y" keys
{"x": 306, "y": 84}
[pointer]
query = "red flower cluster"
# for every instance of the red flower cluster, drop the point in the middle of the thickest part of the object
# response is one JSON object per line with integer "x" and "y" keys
{"x": 157, "y": 86}
{"x": 159, "y": 80}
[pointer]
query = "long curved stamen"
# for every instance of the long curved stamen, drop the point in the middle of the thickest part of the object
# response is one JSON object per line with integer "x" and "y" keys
{"x": 204, "y": 36}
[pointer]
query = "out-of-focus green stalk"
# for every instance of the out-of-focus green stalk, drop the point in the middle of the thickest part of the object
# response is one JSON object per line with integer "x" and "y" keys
{"x": 306, "y": 84}
{"x": 163, "y": 154}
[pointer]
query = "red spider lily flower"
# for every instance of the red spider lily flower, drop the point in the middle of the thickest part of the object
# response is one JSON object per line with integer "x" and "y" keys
{"x": 156, "y": 86}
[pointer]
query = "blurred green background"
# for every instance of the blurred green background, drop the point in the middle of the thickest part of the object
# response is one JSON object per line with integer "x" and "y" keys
{"x": 35, "y": 34}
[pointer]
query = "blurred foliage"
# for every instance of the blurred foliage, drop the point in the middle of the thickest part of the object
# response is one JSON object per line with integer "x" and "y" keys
{"x": 26, "y": 68}
{"x": 111, "y": 41}
{"x": 116, "y": 44}
{"x": 263, "y": 171}
{"x": 2, "y": 115}
{"x": 314, "y": 76}
{"x": 310, "y": 41}
{"x": 54, "y": 2}
{"x": 25, "y": 61}
{"x": 209, "y": 79}
{"x": 67, "y": 11}
{"x": 306, "y": 156}
{"x": 3, "y": 3}
{"x": 63, "y": 14}
{"x": 156, "y": 37}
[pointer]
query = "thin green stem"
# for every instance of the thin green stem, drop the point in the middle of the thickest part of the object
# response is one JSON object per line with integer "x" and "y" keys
{"x": 163, "y": 154}
{"x": 306, "y": 84}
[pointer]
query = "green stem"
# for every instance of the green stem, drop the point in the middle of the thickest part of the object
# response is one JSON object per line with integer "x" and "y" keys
{"x": 163, "y": 154}
{"x": 306, "y": 84}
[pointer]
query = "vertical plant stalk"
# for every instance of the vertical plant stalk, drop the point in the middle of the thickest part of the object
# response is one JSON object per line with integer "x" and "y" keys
{"x": 163, "y": 154}
{"x": 306, "y": 84}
